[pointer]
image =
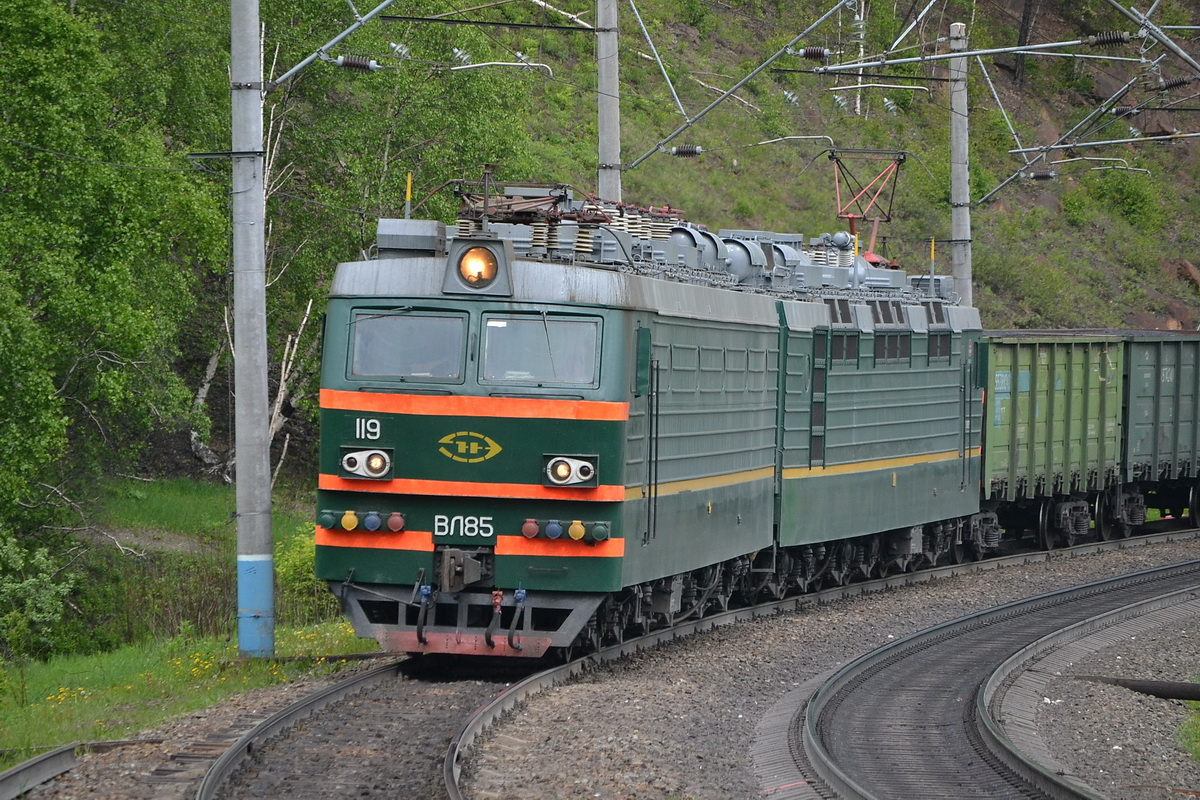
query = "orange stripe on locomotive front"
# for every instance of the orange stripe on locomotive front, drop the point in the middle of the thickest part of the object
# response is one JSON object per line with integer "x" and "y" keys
{"x": 469, "y": 406}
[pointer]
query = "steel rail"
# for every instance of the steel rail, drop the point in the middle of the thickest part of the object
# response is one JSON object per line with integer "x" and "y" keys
{"x": 231, "y": 759}
{"x": 28, "y": 774}
{"x": 841, "y": 782}
{"x": 991, "y": 693}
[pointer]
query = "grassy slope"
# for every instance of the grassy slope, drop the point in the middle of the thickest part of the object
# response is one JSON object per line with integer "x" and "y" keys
{"x": 178, "y": 612}
{"x": 1091, "y": 249}
{"x": 115, "y": 695}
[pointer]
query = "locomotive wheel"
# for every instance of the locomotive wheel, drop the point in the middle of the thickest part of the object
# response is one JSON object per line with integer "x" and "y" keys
{"x": 1194, "y": 505}
{"x": 962, "y": 552}
{"x": 839, "y": 573}
{"x": 872, "y": 557}
{"x": 1045, "y": 530}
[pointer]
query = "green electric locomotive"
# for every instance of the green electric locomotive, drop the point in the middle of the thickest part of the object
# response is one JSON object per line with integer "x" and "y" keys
{"x": 567, "y": 420}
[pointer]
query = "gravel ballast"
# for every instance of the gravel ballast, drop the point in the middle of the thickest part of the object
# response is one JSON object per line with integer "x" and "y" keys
{"x": 679, "y": 722}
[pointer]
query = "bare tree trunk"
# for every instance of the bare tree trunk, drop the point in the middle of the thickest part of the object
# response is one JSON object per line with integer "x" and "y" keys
{"x": 199, "y": 448}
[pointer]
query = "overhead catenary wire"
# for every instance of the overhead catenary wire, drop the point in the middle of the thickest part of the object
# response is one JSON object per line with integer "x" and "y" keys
{"x": 837, "y": 7}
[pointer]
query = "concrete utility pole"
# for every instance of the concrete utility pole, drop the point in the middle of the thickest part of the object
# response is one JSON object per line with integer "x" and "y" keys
{"x": 608, "y": 177}
{"x": 960, "y": 180}
{"x": 255, "y": 557}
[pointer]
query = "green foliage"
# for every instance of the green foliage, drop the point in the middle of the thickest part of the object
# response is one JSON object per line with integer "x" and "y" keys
{"x": 694, "y": 13}
{"x": 1189, "y": 735}
{"x": 300, "y": 598}
{"x": 1131, "y": 195}
{"x": 97, "y": 278}
{"x": 32, "y": 591}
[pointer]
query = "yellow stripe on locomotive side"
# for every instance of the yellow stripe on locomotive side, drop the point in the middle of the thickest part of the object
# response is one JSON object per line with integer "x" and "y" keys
{"x": 880, "y": 464}
{"x": 700, "y": 484}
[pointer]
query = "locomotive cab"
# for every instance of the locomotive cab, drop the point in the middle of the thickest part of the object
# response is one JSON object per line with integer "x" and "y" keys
{"x": 471, "y": 464}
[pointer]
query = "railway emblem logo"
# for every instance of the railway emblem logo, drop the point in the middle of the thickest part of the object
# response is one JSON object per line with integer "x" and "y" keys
{"x": 468, "y": 447}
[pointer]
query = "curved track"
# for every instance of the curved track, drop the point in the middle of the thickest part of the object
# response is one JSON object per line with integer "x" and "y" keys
{"x": 902, "y": 722}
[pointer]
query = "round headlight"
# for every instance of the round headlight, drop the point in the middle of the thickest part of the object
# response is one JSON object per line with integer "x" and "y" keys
{"x": 559, "y": 471}
{"x": 477, "y": 267}
{"x": 377, "y": 464}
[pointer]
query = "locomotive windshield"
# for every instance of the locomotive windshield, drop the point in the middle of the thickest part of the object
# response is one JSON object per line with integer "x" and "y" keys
{"x": 541, "y": 349}
{"x": 399, "y": 344}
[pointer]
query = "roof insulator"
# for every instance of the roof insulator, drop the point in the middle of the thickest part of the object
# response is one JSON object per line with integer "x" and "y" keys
{"x": 1108, "y": 39}
{"x": 358, "y": 63}
{"x": 813, "y": 53}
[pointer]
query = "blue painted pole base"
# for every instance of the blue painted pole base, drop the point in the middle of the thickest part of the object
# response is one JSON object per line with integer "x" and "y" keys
{"x": 256, "y": 606}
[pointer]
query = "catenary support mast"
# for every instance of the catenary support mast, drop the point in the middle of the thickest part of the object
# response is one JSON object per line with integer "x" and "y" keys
{"x": 960, "y": 181}
{"x": 608, "y": 178}
{"x": 255, "y": 561}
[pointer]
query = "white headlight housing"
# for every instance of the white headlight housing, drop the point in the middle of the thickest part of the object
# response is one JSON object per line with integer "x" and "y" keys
{"x": 570, "y": 471}
{"x": 367, "y": 463}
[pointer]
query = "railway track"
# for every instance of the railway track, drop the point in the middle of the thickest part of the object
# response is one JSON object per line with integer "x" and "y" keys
{"x": 426, "y": 714}
{"x": 916, "y": 718}
{"x": 386, "y": 742}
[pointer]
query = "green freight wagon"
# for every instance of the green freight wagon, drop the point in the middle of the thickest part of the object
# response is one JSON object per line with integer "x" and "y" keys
{"x": 1162, "y": 435}
{"x": 1052, "y": 429}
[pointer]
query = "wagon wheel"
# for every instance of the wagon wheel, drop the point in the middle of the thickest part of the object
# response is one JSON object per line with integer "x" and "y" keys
{"x": 1106, "y": 527}
{"x": 839, "y": 573}
{"x": 1045, "y": 529}
{"x": 1194, "y": 505}
{"x": 1068, "y": 537}
{"x": 616, "y": 621}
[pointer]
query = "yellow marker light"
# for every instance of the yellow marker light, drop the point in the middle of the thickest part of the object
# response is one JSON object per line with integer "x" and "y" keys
{"x": 478, "y": 267}
{"x": 349, "y": 520}
{"x": 576, "y": 530}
